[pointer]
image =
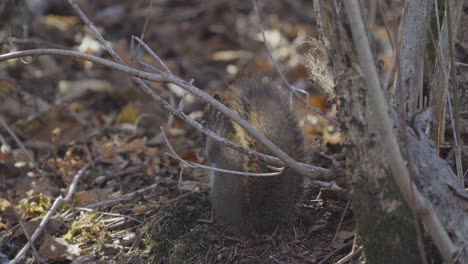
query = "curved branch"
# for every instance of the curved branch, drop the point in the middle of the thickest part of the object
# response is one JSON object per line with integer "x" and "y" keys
{"x": 313, "y": 172}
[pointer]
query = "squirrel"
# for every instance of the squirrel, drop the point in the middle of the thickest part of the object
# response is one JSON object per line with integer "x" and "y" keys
{"x": 251, "y": 203}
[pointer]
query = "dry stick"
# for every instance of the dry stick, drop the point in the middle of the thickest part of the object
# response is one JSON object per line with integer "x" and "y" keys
{"x": 199, "y": 166}
{"x": 379, "y": 107}
{"x": 142, "y": 36}
{"x": 124, "y": 197}
{"x": 335, "y": 252}
{"x": 57, "y": 203}
{"x": 20, "y": 144}
{"x": 25, "y": 230}
{"x": 296, "y": 166}
{"x": 154, "y": 55}
{"x": 147, "y": 17}
{"x": 387, "y": 26}
{"x": 121, "y": 216}
{"x": 170, "y": 119}
{"x": 312, "y": 172}
{"x": 340, "y": 223}
{"x": 446, "y": 80}
{"x": 292, "y": 88}
{"x": 348, "y": 257}
{"x": 456, "y": 99}
{"x": 31, "y": 41}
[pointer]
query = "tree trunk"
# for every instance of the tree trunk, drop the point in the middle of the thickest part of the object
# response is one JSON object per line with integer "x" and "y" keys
{"x": 384, "y": 221}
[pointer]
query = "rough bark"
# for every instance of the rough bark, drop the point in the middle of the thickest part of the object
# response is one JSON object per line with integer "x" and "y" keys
{"x": 438, "y": 183}
{"x": 384, "y": 222}
{"x": 413, "y": 36}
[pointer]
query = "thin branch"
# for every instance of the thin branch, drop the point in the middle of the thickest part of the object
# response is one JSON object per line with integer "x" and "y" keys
{"x": 170, "y": 118}
{"x": 312, "y": 172}
{"x": 155, "y": 57}
{"x": 21, "y": 145}
{"x": 55, "y": 206}
{"x": 200, "y": 166}
{"x": 122, "y": 198}
{"x": 387, "y": 26}
{"x": 352, "y": 254}
{"x": 25, "y": 230}
{"x": 443, "y": 45}
{"x": 202, "y": 95}
{"x": 379, "y": 107}
{"x": 293, "y": 89}
{"x": 456, "y": 99}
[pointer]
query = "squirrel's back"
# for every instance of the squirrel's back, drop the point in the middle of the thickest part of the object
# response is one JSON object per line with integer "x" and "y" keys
{"x": 250, "y": 203}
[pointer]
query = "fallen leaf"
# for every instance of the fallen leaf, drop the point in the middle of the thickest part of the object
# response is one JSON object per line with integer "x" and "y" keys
{"x": 57, "y": 249}
{"x": 109, "y": 154}
{"x": 84, "y": 198}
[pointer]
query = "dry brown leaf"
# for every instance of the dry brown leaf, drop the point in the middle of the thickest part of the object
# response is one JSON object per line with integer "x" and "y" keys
{"x": 84, "y": 198}
{"x": 154, "y": 165}
{"x": 189, "y": 156}
{"x": 7, "y": 158}
{"x": 57, "y": 249}
{"x": 143, "y": 208}
{"x": 109, "y": 154}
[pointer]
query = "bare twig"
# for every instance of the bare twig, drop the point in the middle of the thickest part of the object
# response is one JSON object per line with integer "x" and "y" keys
{"x": 33, "y": 41}
{"x": 456, "y": 99}
{"x": 312, "y": 172}
{"x": 335, "y": 252}
{"x": 293, "y": 89}
{"x": 202, "y": 95}
{"x": 200, "y": 166}
{"x": 86, "y": 209}
{"x": 24, "y": 229}
{"x": 125, "y": 197}
{"x": 387, "y": 26}
{"x": 155, "y": 57}
{"x": 442, "y": 72}
{"x": 170, "y": 119}
{"x": 21, "y": 145}
{"x": 348, "y": 257}
{"x": 379, "y": 107}
{"x": 56, "y": 205}
{"x": 340, "y": 223}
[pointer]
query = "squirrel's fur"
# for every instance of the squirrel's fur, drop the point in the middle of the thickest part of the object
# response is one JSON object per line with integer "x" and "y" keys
{"x": 249, "y": 203}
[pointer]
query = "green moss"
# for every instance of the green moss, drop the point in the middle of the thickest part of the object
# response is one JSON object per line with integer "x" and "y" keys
{"x": 87, "y": 228}
{"x": 38, "y": 205}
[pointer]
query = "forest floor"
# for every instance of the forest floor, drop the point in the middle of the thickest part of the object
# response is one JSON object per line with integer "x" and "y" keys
{"x": 135, "y": 204}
